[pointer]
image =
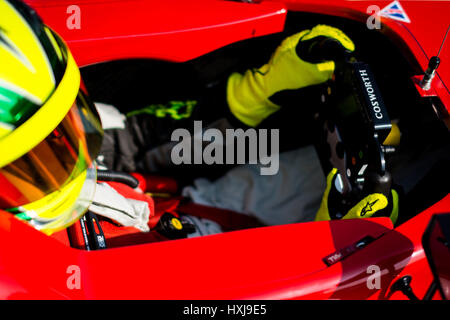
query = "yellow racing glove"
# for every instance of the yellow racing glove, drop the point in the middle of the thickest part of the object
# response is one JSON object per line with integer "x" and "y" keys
{"x": 375, "y": 204}
{"x": 248, "y": 94}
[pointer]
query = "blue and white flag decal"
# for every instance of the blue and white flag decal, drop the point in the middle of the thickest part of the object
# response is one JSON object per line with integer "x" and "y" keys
{"x": 395, "y": 11}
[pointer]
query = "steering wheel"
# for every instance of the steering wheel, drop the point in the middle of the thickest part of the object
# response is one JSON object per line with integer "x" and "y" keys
{"x": 353, "y": 123}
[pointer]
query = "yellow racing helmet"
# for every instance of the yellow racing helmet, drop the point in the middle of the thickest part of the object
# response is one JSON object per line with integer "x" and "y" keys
{"x": 50, "y": 132}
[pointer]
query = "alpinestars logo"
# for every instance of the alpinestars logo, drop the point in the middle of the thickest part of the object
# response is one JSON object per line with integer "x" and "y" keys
{"x": 368, "y": 208}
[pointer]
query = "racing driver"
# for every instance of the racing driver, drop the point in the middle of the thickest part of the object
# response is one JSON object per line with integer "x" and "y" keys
{"x": 51, "y": 133}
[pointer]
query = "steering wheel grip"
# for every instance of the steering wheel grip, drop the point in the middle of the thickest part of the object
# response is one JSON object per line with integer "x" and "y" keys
{"x": 320, "y": 49}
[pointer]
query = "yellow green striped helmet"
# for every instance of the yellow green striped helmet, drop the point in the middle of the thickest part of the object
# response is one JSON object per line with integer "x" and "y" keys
{"x": 50, "y": 132}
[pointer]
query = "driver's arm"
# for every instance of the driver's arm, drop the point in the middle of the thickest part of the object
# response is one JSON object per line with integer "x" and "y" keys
{"x": 248, "y": 94}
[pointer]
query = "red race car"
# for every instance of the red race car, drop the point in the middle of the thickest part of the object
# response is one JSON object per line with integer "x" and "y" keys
{"x": 124, "y": 47}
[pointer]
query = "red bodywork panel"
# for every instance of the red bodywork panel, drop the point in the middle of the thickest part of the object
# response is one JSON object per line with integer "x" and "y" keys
{"x": 280, "y": 262}
{"x": 265, "y": 264}
{"x": 174, "y": 30}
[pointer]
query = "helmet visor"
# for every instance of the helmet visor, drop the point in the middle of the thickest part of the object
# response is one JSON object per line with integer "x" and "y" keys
{"x": 55, "y": 163}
